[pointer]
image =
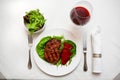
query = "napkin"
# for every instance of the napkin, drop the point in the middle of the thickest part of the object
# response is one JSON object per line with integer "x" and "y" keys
{"x": 96, "y": 46}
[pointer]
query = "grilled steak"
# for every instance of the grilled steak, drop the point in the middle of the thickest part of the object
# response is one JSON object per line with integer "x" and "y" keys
{"x": 52, "y": 52}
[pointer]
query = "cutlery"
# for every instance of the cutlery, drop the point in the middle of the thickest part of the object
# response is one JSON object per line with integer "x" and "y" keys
{"x": 30, "y": 41}
{"x": 85, "y": 68}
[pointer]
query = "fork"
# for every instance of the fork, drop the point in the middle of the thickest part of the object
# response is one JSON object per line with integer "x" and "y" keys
{"x": 30, "y": 42}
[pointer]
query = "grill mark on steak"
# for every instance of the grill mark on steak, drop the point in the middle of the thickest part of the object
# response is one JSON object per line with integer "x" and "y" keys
{"x": 52, "y": 52}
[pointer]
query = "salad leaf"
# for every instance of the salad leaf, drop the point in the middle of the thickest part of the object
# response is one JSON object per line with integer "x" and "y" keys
{"x": 62, "y": 45}
{"x": 58, "y": 63}
{"x": 35, "y": 20}
{"x": 41, "y": 46}
{"x": 58, "y": 37}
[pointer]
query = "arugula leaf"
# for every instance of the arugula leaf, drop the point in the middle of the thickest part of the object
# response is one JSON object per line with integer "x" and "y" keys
{"x": 58, "y": 63}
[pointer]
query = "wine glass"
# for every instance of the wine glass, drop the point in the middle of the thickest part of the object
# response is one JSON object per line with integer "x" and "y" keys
{"x": 81, "y": 13}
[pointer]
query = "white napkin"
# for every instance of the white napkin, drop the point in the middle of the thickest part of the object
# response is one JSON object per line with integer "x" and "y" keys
{"x": 96, "y": 46}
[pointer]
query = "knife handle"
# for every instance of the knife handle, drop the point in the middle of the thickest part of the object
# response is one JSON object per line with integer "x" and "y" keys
{"x": 85, "y": 68}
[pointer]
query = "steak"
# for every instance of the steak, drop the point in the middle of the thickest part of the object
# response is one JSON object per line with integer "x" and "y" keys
{"x": 52, "y": 52}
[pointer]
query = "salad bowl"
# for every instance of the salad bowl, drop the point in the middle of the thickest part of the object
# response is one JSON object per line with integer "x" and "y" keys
{"x": 34, "y": 21}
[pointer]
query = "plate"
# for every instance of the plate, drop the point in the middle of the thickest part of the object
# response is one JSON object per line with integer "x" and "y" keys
{"x": 53, "y": 69}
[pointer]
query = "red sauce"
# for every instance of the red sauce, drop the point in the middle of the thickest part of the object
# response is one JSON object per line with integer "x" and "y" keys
{"x": 80, "y": 15}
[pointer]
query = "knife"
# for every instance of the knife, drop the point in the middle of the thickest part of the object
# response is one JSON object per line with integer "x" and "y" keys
{"x": 85, "y": 68}
{"x": 30, "y": 42}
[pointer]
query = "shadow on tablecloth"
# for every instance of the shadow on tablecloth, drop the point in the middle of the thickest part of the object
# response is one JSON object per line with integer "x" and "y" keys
{"x": 2, "y": 76}
{"x": 117, "y": 77}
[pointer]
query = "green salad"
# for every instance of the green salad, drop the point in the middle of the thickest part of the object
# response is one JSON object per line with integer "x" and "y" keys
{"x": 34, "y": 20}
{"x": 67, "y": 49}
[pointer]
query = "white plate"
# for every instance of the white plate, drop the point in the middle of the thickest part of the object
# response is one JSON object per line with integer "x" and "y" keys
{"x": 53, "y": 69}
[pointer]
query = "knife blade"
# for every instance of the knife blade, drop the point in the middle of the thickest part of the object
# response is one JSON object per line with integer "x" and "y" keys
{"x": 85, "y": 68}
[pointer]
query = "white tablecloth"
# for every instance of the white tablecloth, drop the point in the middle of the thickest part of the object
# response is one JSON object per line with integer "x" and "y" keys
{"x": 14, "y": 45}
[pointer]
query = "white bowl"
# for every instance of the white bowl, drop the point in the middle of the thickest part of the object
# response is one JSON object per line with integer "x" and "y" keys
{"x": 38, "y": 31}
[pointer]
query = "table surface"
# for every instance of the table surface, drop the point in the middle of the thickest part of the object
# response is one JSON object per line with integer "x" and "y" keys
{"x": 14, "y": 46}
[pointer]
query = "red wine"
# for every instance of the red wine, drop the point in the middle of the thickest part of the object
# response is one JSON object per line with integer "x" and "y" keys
{"x": 80, "y": 15}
